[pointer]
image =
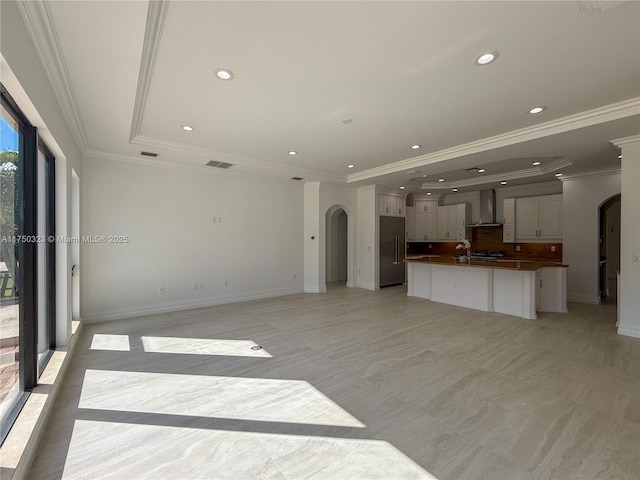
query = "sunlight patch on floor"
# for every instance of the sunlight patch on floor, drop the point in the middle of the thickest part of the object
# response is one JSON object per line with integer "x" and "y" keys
{"x": 112, "y": 450}
{"x": 268, "y": 400}
{"x": 202, "y": 346}
{"x": 104, "y": 341}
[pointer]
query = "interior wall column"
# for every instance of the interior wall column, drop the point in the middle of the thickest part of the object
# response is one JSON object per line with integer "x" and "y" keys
{"x": 629, "y": 292}
{"x": 313, "y": 240}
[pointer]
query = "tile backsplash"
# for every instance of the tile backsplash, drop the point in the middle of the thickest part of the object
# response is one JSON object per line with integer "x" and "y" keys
{"x": 490, "y": 239}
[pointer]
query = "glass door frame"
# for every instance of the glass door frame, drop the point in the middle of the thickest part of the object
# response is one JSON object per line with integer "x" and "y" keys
{"x": 26, "y": 257}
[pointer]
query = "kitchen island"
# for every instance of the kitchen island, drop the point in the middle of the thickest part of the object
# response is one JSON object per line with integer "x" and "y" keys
{"x": 514, "y": 287}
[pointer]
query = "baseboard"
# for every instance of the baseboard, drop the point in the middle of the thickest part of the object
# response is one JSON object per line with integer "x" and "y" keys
{"x": 366, "y": 286}
{"x": 315, "y": 289}
{"x": 581, "y": 298}
{"x": 629, "y": 330}
{"x": 143, "y": 310}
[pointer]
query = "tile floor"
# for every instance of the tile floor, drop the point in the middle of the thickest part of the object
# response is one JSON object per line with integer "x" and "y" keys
{"x": 351, "y": 384}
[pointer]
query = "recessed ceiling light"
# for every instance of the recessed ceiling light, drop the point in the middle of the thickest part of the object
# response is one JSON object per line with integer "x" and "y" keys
{"x": 535, "y": 164}
{"x": 292, "y": 152}
{"x": 402, "y": 188}
{"x": 416, "y": 146}
{"x": 428, "y": 193}
{"x": 486, "y": 58}
{"x": 481, "y": 170}
{"x": 224, "y": 74}
{"x": 536, "y": 110}
{"x": 503, "y": 183}
{"x": 558, "y": 174}
{"x": 350, "y": 166}
{"x": 441, "y": 179}
{"x": 455, "y": 189}
{"x": 187, "y": 128}
{"x": 424, "y": 176}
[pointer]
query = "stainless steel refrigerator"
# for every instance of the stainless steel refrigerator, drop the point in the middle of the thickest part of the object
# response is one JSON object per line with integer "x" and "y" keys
{"x": 391, "y": 251}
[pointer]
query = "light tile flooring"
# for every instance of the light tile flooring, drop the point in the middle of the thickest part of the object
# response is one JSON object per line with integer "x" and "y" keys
{"x": 350, "y": 384}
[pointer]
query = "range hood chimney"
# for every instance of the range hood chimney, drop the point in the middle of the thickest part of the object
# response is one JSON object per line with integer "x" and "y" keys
{"x": 487, "y": 209}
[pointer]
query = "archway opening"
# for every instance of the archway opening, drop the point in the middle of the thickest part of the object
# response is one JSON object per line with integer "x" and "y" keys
{"x": 609, "y": 251}
{"x": 336, "y": 271}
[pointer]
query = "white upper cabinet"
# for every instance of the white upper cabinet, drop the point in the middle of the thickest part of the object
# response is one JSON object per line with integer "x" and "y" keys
{"x": 410, "y": 224}
{"x": 509, "y": 227}
{"x": 453, "y": 221}
{"x": 425, "y": 220}
{"x": 425, "y": 206}
{"x": 391, "y": 205}
{"x": 538, "y": 219}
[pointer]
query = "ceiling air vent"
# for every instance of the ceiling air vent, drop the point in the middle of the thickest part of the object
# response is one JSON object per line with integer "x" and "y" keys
{"x": 214, "y": 163}
{"x": 296, "y": 178}
{"x": 149, "y": 154}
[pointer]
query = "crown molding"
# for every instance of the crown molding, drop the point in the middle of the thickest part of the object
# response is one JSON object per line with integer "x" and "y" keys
{"x": 188, "y": 167}
{"x": 595, "y": 173}
{"x": 626, "y": 140}
{"x": 614, "y": 111}
{"x": 41, "y": 29}
{"x": 499, "y": 177}
{"x": 236, "y": 159}
{"x": 280, "y": 174}
{"x": 156, "y": 14}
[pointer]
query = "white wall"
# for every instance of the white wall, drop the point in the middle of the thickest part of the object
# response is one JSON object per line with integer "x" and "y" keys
{"x": 26, "y": 80}
{"x": 581, "y": 200}
{"x": 629, "y": 314}
{"x": 167, "y": 214}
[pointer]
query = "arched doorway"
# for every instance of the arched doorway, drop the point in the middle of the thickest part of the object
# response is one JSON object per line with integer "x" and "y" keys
{"x": 609, "y": 254}
{"x": 336, "y": 245}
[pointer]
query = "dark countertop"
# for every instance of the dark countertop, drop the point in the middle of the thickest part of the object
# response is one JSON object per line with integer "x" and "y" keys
{"x": 505, "y": 264}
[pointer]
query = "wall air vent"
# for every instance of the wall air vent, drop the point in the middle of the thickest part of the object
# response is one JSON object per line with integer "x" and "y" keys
{"x": 214, "y": 163}
{"x": 297, "y": 178}
{"x": 149, "y": 154}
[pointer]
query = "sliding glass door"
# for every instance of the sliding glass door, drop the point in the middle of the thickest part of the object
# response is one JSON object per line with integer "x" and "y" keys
{"x": 10, "y": 191}
{"x": 27, "y": 259}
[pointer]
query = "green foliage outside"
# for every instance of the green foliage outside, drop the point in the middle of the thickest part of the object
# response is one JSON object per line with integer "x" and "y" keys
{"x": 8, "y": 178}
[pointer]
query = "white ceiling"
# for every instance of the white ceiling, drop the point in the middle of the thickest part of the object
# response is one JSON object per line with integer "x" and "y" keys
{"x": 404, "y": 73}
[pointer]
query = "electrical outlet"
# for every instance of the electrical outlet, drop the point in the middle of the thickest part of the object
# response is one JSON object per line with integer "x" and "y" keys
{"x": 225, "y": 283}
{"x": 430, "y": 245}
{"x": 635, "y": 258}
{"x": 517, "y": 248}
{"x": 161, "y": 290}
{"x": 219, "y": 219}
{"x": 293, "y": 276}
{"x": 553, "y": 248}
{"x": 195, "y": 286}
{"x": 200, "y": 286}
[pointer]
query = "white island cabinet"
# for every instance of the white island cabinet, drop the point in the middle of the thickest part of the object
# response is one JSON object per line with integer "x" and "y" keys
{"x": 514, "y": 288}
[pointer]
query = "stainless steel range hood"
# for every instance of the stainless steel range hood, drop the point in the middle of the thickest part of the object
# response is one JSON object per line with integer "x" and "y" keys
{"x": 487, "y": 209}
